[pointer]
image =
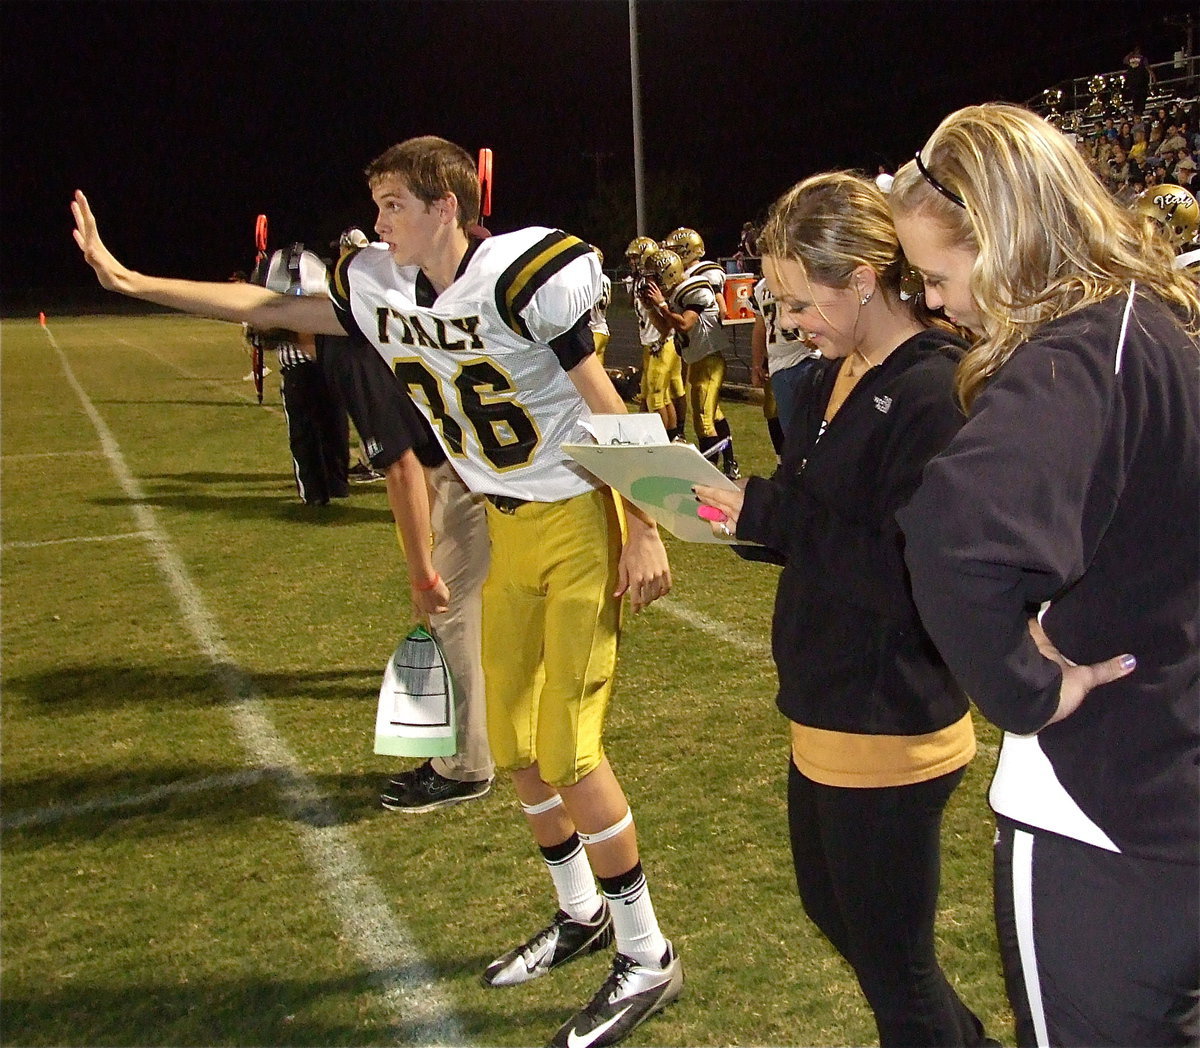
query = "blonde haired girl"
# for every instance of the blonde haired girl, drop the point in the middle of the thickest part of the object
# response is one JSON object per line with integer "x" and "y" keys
{"x": 1074, "y": 487}
{"x": 880, "y": 732}
{"x": 1048, "y": 238}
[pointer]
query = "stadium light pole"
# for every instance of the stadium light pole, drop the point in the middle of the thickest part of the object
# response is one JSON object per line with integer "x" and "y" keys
{"x": 639, "y": 163}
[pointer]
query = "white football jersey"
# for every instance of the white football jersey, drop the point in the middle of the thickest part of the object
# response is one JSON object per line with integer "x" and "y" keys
{"x": 697, "y": 295}
{"x": 476, "y": 359}
{"x": 647, "y": 332}
{"x": 710, "y": 271}
{"x": 784, "y": 347}
{"x": 598, "y": 319}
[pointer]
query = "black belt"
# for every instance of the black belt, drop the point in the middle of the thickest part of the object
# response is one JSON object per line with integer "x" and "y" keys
{"x": 506, "y": 503}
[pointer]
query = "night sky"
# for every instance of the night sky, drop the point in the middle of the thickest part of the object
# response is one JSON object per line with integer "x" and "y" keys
{"x": 183, "y": 120}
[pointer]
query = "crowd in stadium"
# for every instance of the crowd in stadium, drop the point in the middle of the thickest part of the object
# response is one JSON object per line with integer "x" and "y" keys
{"x": 1131, "y": 155}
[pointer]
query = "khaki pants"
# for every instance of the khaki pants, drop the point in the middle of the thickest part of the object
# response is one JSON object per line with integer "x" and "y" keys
{"x": 461, "y": 557}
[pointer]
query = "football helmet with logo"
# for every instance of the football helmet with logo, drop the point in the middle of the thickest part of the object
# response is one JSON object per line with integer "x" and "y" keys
{"x": 686, "y": 243}
{"x": 665, "y": 268}
{"x": 1173, "y": 208}
{"x": 638, "y": 250}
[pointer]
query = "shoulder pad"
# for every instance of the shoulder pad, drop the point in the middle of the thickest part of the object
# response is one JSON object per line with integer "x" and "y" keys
{"x": 530, "y": 271}
{"x": 339, "y": 282}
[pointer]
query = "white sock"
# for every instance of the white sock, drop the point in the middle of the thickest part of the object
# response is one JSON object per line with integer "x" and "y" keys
{"x": 635, "y": 925}
{"x": 573, "y": 882}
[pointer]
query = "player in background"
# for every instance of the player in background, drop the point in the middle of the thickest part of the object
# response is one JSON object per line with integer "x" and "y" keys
{"x": 491, "y": 337}
{"x": 689, "y": 246}
{"x": 361, "y": 471}
{"x": 597, "y": 319}
{"x": 663, "y": 390}
{"x": 441, "y": 527}
{"x": 779, "y": 359}
{"x": 691, "y": 315}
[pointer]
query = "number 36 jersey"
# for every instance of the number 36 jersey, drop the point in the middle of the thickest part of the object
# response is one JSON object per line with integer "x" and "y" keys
{"x": 477, "y": 359}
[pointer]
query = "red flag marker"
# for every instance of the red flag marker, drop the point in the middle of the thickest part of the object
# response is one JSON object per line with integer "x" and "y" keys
{"x": 485, "y": 182}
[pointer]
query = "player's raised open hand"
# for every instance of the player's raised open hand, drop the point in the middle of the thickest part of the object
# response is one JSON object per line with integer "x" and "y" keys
{"x": 240, "y": 302}
{"x": 111, "y": 274}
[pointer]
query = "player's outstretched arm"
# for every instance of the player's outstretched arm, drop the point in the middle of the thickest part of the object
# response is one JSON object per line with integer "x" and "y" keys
{"x": 644, "y": 572}
{"x": 240, "y": 303}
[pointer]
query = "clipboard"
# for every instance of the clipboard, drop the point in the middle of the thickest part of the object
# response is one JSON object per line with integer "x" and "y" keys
{"x": 658, "y": 479}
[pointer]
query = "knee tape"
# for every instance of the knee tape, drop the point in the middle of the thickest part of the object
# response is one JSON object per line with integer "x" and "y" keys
{"x": 604, "y": 835}
{"x": 544, "y": 806}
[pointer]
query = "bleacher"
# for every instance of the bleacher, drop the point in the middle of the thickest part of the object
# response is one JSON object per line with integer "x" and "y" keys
{"x": 1080, "y": 106}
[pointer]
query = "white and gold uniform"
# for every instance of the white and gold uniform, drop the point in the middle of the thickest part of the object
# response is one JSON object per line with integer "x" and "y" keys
{"x": 662, "y": 370}
{"x": 709, "y": 271}
{"x": 788, "y": 358}
{"x": 701, "y": 351}
{"x": 486, "y": 361}
{"x": 598, "y": 317}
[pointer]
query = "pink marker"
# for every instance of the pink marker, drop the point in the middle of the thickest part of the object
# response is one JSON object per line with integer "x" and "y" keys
{"x": 711, "y": 513}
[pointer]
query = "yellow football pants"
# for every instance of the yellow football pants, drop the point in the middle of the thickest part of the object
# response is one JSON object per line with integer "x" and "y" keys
{"x": 550, "y": 632}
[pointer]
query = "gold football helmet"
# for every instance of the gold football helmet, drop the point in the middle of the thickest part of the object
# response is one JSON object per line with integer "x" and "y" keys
{"x": 665, "y": 268}
{"x": 686, "y": 243}
{"x": 1173, "y": 208}
{"x": 599, "y": 254}
{"x": 638, "y": 251}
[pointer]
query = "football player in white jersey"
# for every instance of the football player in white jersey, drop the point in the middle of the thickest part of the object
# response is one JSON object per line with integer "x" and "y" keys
{"x": 663, "y": 389}
{"x": 598, "y": 319}
{"x": 689, "y": 246}
{"x": 760, "y": 376}
{"x": 491, "y": 338}
{"x": 691, "y": 314}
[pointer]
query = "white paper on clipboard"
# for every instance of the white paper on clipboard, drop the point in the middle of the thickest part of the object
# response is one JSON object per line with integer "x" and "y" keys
{"x": 657, "y": 477}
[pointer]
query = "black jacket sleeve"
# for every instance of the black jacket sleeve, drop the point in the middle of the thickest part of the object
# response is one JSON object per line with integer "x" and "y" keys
{"x": 998, "y": 528}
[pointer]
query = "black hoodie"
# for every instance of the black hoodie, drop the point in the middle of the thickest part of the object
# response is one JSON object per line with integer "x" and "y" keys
{"x": 1077, "y": 482}
{"x": 851, "y": 652}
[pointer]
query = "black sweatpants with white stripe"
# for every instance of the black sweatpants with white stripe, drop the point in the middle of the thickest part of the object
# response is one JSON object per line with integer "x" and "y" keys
{"x": 318, "y": 433}
{"x": 1099, "y": 948}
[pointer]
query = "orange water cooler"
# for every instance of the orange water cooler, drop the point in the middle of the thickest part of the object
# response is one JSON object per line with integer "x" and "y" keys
{"x": 738, "y": 287}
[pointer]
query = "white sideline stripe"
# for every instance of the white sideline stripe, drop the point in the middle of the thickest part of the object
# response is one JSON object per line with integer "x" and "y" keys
{"x": 698, "y": 620}
{"x": 57, "y": 812}
{"x": 420, "y": 1012}
{"x": 81, "y": 538}
{"x": 21, "y": 456}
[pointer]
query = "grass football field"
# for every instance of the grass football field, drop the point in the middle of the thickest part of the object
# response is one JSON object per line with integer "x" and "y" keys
{"x": 193, "y": 852}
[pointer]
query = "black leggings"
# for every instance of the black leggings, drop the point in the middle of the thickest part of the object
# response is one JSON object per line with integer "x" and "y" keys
{"x": 867, "y": 866}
